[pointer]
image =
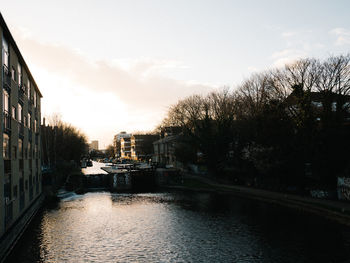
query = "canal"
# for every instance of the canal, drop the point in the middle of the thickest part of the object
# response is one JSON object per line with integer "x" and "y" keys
{"x": 177, "y": 227}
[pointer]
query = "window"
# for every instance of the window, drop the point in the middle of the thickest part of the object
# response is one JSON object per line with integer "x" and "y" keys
{"x": 7, "y": 187}
{"x": 13, "y": 74}
{"x": 15, "y": 191}
{"x": 6, "y": 101}
{"x": 21, "y": 165}
{"x": 6, "y": 146}
{"x": 36, "y": 152}
{"x": 30, "y": 151}
{"x": 25, "y": 121}
{"x": 6, "y": 54}
{"x": 34, "y": 98}
{"x": 20, "y": 113}
{"x": 20, "y": 148}
{"x": 14, "y": 152}
{"x": 35, "y": 126}
{"x": 14, "y": 112}
{"x": 29, "y": 120}
{"x": 19, "y": 69}
{"x": 28, "y": 89}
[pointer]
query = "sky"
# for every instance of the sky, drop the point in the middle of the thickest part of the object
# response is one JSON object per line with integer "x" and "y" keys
{"x": 107, "y": 66}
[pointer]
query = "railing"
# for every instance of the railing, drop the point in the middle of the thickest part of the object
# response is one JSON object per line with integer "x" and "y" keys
{"x": 6, "y": 77}
{"x": 30, "y": 188}
{"x": 21, "y": 129}
{"x": 21, "y": 200}
{"x": 7, "y": 121}
{"x": 7, "y": 166}
{"x": 21, "y": 164}
{"x": 37, "y": 187}
{"x": 31, "y": 192}
{"x": 21, "y": 194}
{"x": 8, "y": 211}
{"x": 21, "y": 93}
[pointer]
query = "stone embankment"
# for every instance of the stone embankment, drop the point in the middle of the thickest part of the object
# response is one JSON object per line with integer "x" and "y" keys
{"x": 338, "y": 211}
{"x": 10, "y": 238}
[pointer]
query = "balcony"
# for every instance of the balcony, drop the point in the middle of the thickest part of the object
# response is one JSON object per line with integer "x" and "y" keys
{"x": 7, "y": 122}
{"x": 31, "y": 101}
{"x": 21, "y": 93}
{"x": 31, "y": 192}
{"x": 21, "y": 130}
{"x": 37, "y": 187}
{"x": 21, "y": 165}
{"x": 21, "y": 193}
{"x": 6, "y": 78}
{"x": 30, "y": 187}
{"x": 8, "y": 211}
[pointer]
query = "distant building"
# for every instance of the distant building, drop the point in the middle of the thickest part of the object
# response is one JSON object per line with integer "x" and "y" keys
{"x": 324, "y": 105}
{"x": 93, "y": 145}
{"x": 125, "y": 147}
{"x": 142, "y": 146}
{"x": 164, "y": 148}
{"x": 20, "y": 140}
{"x": 164, "y": 151}
{"x": 117, "y": 142}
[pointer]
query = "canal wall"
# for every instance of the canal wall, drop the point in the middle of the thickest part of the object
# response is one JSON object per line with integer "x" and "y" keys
{"x": 337, "y": 211}
{"x": 12, "y": 235}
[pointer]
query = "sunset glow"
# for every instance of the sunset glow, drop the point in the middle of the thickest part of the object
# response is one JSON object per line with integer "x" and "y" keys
{"x": 119, "y": 66}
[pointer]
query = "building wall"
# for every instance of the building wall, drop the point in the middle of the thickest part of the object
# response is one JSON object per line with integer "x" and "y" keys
{"x": 1, "y": 144}
{"x": 164, "y": 151}
{"x": 142, "y": 146}
{"x": 94, "y": 145}
{"x": 119, "y": 151}
{"x": 125, "y": 148}
{"x": 25, "y": 160}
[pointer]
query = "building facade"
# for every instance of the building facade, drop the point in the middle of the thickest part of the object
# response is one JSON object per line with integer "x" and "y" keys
{"x": 164, "y": 151}
{"x": 142, "y": 146}
{"x": 125, "y": 147}
{"x": 93, "y": 145}
{"x": 20, "y": 159}
{"x": 117, "y": 142}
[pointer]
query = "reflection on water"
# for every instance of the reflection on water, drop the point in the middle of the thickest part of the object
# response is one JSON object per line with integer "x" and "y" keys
{"x": 104, "y": 227}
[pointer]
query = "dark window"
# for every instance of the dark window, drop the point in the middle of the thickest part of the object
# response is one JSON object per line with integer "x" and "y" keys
{"x": 15, "y": 191}
{"x": 6, "y": 146}
{"x": 13, "y": 74}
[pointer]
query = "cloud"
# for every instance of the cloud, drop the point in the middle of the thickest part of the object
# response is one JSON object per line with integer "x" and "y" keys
{"x": 149, "y": 66}
{"x": 103, "y": 97}
{"x": 298, "y": 44}
{"x": 288, "y": 34}
{"x": 342, "y": 35}
{"x": 137, "y": 82}
{"x": 286, "y": 56}
{"x": 252, "y": 69}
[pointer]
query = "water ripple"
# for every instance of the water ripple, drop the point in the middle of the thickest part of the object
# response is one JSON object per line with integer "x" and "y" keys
{"x": 104, "y": 227}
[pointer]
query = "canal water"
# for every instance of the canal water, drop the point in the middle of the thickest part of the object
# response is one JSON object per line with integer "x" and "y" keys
{"x": 177, "y": 227}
